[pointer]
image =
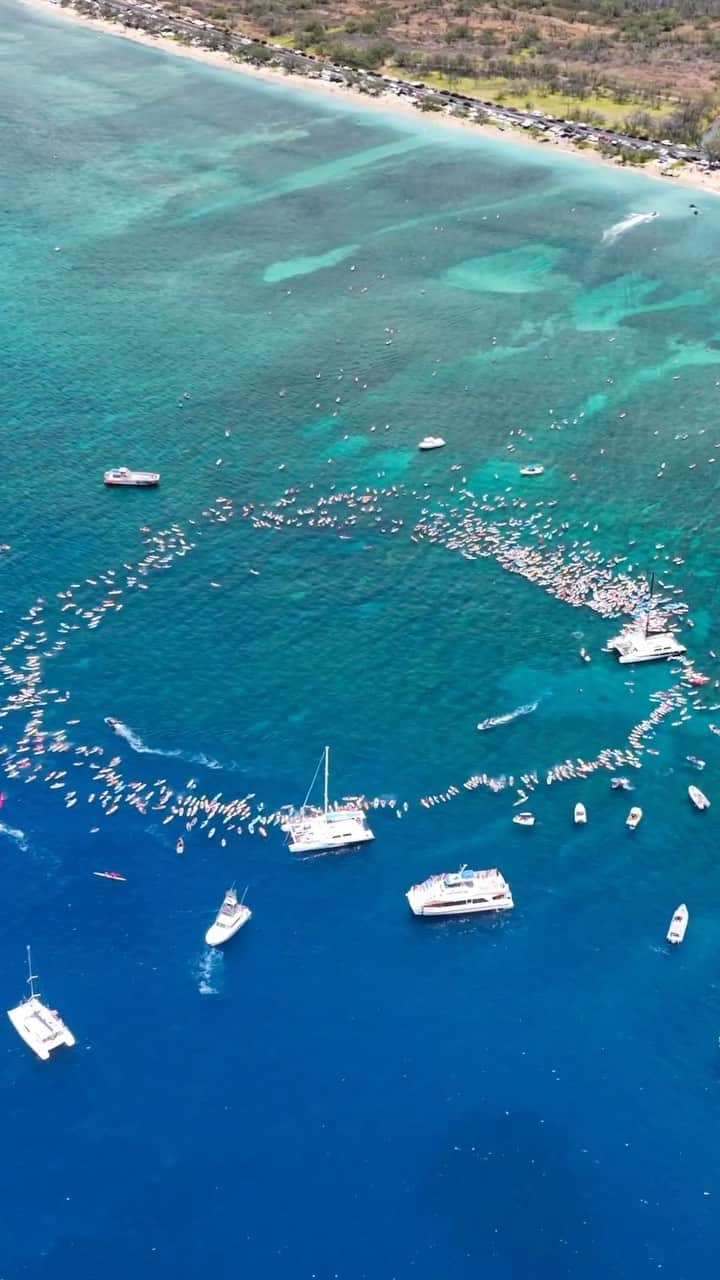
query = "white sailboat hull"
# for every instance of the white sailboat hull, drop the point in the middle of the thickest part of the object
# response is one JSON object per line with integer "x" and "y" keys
{"x": 41, "y": 1028}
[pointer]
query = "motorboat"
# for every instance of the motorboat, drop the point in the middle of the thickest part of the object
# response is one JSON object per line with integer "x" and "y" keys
{"x": 179, "y": 845}
{"x": 580, "y": 815}
{"x": 40, "y": 1027}
{"x": 533, "y": 469}
{"x": 233, "y": 914}
{"x": 112, "y": 723}
{"x": 431, "y": 442}
{"x": 678, "y": 924}
{"x": 524, "y": 819}
{"x": 634, "y": 817}
{"x": 109, "y": 875}
{"x": 312, "y": 830}
{"x": 460, "y": 892}
{"x": 698, "y": 798}
{"x": 124, "y": 477}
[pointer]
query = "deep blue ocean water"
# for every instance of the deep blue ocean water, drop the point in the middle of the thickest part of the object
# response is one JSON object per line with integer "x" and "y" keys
{"x": 345, "y": 1091}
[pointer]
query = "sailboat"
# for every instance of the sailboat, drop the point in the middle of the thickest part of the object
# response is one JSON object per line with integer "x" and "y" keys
{"x": 638, "y": 643}
{"x": 310, "y": 829}
{"x": 41, "y": 1028}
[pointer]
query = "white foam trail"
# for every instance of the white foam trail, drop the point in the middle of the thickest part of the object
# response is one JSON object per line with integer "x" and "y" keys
{"x": 493, "y": 721}
{"x": 209, "y": 963}
{"x": 13, "y": 834}
{"x": 135, "y": 741}
{"x": 627, "y": 224}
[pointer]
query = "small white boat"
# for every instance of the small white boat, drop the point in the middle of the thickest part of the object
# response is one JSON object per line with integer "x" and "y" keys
{"x": 40, "y": 1027}
{"x": 179, "y": 845}
{"x": 123, "y": 477}
{"x": 634, "y": 817}
{"x": 110, "y": 875}
{"x": 580, "y": 815}
{"x": 431, "y": 442}
{"x": 533, "y": 469}
{"x": 585, "y": 655}
{"x": 524, "y": 819}
{"x": 232, "y": 915}
{"x": 698, "y": 798}
{"x": 678, "y": 924}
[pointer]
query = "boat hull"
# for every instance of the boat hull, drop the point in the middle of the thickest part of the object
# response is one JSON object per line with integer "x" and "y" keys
{"x": 322, "y": 845}
{"x": 21, "y": 1018}
{"x": 216, "y": 936}
{"x": 459, "y": 908}
{"x": 131, "y": 484}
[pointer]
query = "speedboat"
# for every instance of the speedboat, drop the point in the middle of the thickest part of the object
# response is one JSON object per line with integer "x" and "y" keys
{"x": 109, "y": 875}
{"x": 678, "y": 924}
{"x": 431, "y": 442}
{"x": 233, "y": 914}
{"x": 634, "y": 817}
{"x": 40, "y": 1027}
{"x": 698, "y": 798}
{"x": 123, "y": 477}
{"x": 580, "y": 815}
{"x": 533, "y": 469}
{"x": 459, "y": 893}
{"x": 524, "y": 819}
{"x": 112, "y": 723}
{"x": 180, "y": 845}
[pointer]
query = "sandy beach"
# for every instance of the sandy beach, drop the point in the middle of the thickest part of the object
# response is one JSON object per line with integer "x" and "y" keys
{"x": 687, "y": 175}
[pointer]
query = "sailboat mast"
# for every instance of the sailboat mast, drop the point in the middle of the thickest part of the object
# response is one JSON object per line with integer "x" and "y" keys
{"x": 647, "y": 616}
{"x": 327, "y": 770}
{"x": 31, "y": 976}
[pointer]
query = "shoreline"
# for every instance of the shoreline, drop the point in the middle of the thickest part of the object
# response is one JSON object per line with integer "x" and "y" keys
{"x": 687, "y": 175}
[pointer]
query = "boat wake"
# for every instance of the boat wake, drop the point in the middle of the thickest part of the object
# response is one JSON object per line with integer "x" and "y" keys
{"x": 191, "y": 757}
{"x": 207, "y": 968}
{"x": 493, "y": 721}
{"x": 12, "y": 833}
{"x": 626, "y": 224}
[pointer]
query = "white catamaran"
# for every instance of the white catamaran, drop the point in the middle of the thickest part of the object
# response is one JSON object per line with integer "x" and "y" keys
{"x": 309, "y": 829}
{"x": 41, "y": 1028}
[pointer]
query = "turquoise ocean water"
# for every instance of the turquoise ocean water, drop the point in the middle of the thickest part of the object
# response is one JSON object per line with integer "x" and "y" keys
{"x": 271, "y": 296}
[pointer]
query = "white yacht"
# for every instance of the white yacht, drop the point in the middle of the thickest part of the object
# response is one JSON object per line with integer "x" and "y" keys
{"x": 698, "y": 798}
{"x": 232, "y": 915}
{"x": 41, "y": 1028}
{"x": 533, "y": 469}
{"x": 678, "y": 924}
{"x": 310, "y": 830}
{"x": 637, "y": 642}
{"x": 123, "y": 476}
{"x": 460, "y": 892}
{"x": 634, "y": 644}
{"x": 580, "y": 815}
{"x": 634, "y": 817}
{"x": 431, "y": 442}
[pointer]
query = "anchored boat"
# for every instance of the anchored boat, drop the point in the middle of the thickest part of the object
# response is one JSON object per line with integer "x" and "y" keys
{"x": 580, "y": 815}
{"x": 698, "y": 798}
{"x": 678, "y": 924}
{"x": 40, "y": 1027}
{"x": 123, "y": 477}
{"x": 431, "y": 442}
{"x": 634, "y": 817}
{"x": 460, "y": 892}
{"x": 310, "y": 830}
